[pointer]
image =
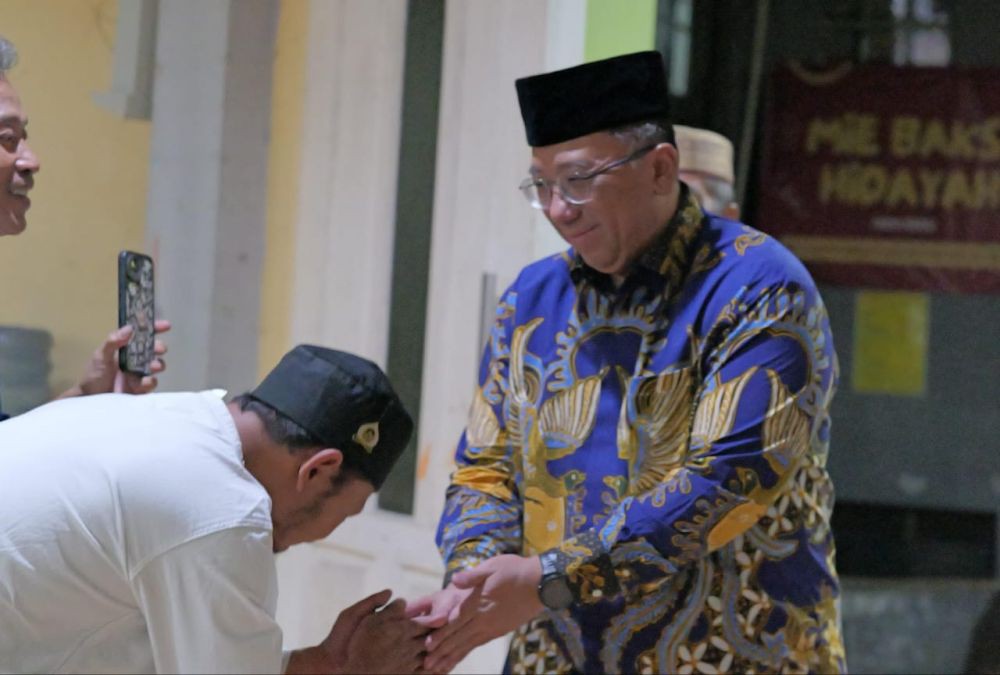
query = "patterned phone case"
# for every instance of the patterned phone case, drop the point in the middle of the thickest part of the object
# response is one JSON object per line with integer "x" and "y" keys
{"x": 135, "y": 307}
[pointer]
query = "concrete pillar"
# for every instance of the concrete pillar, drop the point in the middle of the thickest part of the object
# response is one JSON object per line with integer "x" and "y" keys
{"x": 208, "y": 178}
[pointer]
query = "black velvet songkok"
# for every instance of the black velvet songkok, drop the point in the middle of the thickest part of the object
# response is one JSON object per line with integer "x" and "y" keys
{"x": 596, "y": 96}
{"x": 343, "y": 400}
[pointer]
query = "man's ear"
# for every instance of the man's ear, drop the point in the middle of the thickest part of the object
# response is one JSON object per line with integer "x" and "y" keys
{"x": 665, "y": 163}
{"x": 325, "y": 464}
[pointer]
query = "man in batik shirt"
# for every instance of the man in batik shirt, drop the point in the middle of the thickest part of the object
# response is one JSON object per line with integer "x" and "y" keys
{"x": 642, "y": 486}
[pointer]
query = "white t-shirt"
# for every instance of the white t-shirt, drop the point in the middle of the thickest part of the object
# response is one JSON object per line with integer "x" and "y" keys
{"x": 133, "y": 539}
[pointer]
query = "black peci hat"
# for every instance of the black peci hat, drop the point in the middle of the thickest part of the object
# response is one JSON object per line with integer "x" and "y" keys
{"x": 343, "y": 400}
{"x": 595, "y": 96}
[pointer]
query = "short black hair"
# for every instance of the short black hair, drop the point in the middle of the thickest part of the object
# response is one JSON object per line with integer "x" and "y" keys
{"x": 293, "y": 436}
{"x": 279, "y": 428}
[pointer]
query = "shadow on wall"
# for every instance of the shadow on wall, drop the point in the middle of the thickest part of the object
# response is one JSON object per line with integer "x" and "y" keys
{"x": 921, "y": 625}
{"x": 984, "y": 647}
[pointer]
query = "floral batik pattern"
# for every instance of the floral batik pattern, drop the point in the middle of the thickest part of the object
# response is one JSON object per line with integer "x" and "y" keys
{"x": 667, "y": 438}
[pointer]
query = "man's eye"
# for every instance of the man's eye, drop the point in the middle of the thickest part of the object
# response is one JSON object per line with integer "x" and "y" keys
{"x": 10, "y": 141}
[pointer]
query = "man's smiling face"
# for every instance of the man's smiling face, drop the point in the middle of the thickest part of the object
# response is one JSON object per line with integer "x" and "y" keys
{"x": 623, "y": 214}
{"x": 18, "y": 164}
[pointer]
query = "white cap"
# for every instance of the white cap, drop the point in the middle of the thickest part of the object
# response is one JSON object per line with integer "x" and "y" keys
{"x": 704, "y": 151}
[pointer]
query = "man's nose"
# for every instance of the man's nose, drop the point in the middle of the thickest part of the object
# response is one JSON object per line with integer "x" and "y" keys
{"x": 561, "y": 211}
{"x": 27, "y": 160}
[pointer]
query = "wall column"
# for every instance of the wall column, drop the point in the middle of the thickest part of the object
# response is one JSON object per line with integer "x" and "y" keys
{"x": 208, "y": 185}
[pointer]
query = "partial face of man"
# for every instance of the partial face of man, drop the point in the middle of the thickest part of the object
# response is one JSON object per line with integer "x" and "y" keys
{"x": 18, "y": 163}
{"x": 630, "y": 204}
{"x": 325, "y": 509}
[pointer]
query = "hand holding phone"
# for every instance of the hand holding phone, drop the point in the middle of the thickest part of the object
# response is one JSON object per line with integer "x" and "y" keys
{"x": 136, "y": 308}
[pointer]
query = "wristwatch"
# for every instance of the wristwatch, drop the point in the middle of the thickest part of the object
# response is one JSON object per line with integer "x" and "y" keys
{"x": 553, "y": 589}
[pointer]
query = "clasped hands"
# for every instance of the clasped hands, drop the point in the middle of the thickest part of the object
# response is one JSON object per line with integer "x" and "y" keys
{"x": 371, "y": 636}
{"x": 479, "y": 605}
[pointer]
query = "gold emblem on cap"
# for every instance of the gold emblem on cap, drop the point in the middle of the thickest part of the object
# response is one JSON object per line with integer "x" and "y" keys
{"x": 367, "y": 436}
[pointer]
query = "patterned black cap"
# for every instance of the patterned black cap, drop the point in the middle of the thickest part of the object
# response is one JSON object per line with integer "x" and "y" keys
{"x": 343, "y": 400}
{"x": 595, "y": 96}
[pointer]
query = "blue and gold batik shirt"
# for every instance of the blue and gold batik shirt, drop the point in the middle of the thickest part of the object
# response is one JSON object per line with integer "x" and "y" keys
{"x": 668, "y": 438}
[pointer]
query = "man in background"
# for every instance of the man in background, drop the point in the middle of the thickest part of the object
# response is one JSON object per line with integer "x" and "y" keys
{"x": 138, "y": 533}
{"x": 18, "y": 166}
{"x": 705, "y": 164}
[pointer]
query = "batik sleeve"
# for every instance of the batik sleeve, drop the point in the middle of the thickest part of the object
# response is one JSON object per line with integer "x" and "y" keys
{"x": 482, "y": 513}
{"x": 759, "y": 410}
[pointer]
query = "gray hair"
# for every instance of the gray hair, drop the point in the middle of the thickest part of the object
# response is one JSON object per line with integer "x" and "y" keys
{"x": 641, "y": 134}
{"x": 8, "y": 55}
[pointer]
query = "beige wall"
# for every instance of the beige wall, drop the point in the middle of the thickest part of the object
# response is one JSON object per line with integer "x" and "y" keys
{"x": 90, "y": 196}
{"x": 288, "y": 90}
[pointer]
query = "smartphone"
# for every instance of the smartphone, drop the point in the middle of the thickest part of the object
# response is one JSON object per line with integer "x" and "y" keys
{"x": 135, "y": 308}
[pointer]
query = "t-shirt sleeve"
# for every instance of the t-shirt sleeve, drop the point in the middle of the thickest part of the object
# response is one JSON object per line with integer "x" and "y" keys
{"x": 209, "y": 604}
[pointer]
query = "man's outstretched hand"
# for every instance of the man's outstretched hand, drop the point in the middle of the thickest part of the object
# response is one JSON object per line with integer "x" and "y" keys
{"x": 478, "y": 605}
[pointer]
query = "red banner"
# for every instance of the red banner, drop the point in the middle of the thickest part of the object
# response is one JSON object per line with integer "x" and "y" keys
{"x": 886, "y": 177}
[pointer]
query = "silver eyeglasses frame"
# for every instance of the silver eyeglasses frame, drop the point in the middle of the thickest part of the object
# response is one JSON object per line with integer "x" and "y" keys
{"x": 577, "y": 189}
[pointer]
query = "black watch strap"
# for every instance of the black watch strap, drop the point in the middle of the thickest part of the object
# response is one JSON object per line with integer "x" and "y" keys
{"x": 553, "y": 589}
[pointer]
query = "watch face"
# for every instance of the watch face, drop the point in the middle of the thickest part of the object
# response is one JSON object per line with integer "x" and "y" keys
{"x": 555, "y": 593}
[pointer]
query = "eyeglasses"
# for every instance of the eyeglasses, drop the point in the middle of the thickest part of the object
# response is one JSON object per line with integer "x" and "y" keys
{"x": 576, "y": 189}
